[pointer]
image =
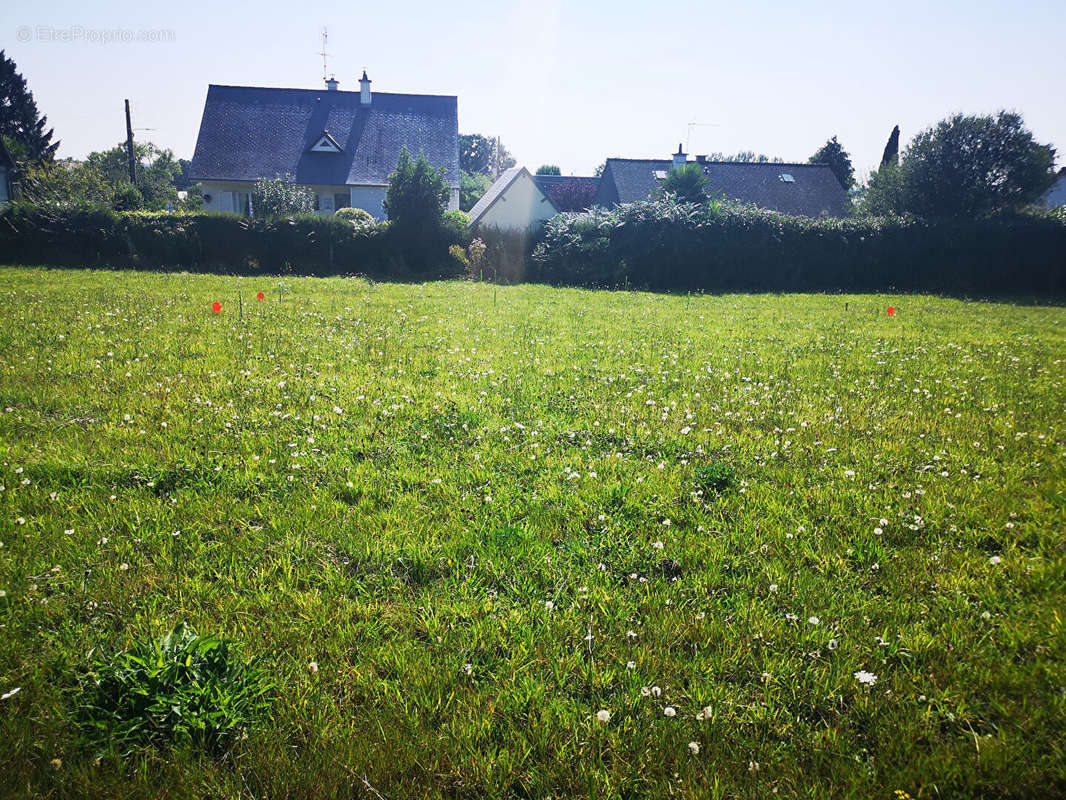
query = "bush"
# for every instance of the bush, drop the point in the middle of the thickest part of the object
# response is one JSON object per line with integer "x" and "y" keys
{"x": 667, "y": 244}
{"x": 417, "y": 194}
{"x": 183, "y": 688}
{"x": 687, "y": 183}
{"x": 357, "y": 216}
{"x": 281, "y": 197}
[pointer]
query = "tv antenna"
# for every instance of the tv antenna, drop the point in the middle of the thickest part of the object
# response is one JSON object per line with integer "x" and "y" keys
{"x": 691, "y": 125}
{"x": 325, "y": 36}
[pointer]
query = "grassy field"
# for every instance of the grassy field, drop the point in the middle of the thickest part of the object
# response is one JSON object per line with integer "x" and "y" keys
{"x": 457, "y": 522}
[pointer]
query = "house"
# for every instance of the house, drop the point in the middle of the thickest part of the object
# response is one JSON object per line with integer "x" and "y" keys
{"x": 342, "y": 145}
{"x": 7, "y": 170}
{"x": 1055, "y": 197}
{"x": 808, "y": 190}
{"x": 519, "y": 201}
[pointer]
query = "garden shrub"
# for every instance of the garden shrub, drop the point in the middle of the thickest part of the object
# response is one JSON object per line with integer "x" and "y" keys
{"x": 183, "y": 688}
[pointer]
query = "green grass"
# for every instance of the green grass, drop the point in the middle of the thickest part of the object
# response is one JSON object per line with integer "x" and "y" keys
{"x": 395, "y": 481}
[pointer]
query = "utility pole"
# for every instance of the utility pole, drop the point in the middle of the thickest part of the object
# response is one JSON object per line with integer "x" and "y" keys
{"x": 129, "y": 146}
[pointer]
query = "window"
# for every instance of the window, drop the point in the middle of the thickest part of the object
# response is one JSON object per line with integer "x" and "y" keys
{"x": 239, "y": 203}
{"x": 342, "y": 200}
{"x": 787, "y": 178}
{"x": 325, "y": 144}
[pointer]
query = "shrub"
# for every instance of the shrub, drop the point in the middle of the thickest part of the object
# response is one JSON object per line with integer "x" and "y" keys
{"x": 417, "y": 193}
{"x": 280, "y": 197}
{"x": 687, "y": 183}
{"x": 183, "y": 688}
{"x": 357, "y": 216}
{"x": 457, "y": 226}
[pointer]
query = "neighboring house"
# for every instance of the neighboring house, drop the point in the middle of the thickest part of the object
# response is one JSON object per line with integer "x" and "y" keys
{"x": 7, "y": 169}
{"x": 808, "y": 190}
{"x": 519, "y": 201}
{"x": 342, "y": 145}
{"x": 1056, "y": 195}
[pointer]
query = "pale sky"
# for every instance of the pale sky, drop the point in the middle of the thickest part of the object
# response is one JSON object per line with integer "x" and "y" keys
{"x": 568, "y": 82}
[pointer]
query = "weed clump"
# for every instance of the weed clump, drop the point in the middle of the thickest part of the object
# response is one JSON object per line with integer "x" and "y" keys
{"x": 183, "y": 688}
{"x": 715, "y": 477}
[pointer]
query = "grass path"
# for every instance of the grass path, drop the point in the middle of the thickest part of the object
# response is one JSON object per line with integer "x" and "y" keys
{"x": 487, "y": 514}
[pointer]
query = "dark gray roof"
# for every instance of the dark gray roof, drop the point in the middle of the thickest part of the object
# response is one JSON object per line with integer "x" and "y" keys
{"x": 248, "y": 133}
{"x": 548, "y": 182}
{"x": 814, "y": 190}
{"x": 507, "y": 177}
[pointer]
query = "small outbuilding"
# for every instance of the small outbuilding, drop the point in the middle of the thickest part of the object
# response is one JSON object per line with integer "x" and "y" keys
{"x": 519, "y": 201}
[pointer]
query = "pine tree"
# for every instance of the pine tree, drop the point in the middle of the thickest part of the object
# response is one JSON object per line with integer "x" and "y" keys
{"x": 19, "y": 118}
{"x": 891, "y": 154}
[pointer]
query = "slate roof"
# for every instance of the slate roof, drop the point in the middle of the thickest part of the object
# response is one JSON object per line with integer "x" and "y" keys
{"x": 507, "y": 177}
{"x": 248, "y": 133}
{"x": 815, "y": 190}
{"x": 548, "y": 182}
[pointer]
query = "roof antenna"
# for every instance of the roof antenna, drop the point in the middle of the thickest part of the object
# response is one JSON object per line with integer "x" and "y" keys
{"x": 325, "y": 36}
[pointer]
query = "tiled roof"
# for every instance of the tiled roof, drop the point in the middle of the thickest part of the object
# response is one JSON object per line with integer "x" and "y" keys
{"x": 549, "y": 182}
{"x": 248, "y": 133}
{"x": 814, "y": 190}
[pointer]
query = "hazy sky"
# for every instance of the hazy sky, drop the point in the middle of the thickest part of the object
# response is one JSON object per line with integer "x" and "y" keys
{"x": 562, "y": 81}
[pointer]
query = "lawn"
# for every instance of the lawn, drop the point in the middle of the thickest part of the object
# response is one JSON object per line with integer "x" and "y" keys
{"x": 791, "y": 545}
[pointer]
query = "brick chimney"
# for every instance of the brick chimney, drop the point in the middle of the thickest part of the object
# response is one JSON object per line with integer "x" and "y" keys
{"x": 331, "y": 83}
{"x": 364, "y": 90}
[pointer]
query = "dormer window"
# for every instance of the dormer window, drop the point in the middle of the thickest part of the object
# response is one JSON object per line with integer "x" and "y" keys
{"x": 326, "y": 144}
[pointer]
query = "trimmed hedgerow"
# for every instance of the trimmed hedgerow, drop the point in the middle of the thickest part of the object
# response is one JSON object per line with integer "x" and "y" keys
{"x": 224, "y": 243}
{"x": 665, "y": 244}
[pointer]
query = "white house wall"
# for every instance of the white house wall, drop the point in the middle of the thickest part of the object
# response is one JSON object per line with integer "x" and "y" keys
{"x": 368, "y": 198}
{"x": 521, "y": 207}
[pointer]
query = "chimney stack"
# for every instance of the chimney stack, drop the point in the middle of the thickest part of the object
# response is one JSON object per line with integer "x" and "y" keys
{"x": 701, "y": 159}
{"x": 364, "y": 90}
{"x": 331, "y": 83}
{"x": 680, "y": 159}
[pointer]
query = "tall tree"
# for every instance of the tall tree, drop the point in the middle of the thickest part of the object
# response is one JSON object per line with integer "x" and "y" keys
{"x": 891, "y": 154}
{"x": 156, "y": 169}
{"x": 838, "y": 160}
{"x": 549, "y": 169}
{"x": 19, "y": 118}
{"x": 484, "y": 154}
{"x": 965, "y": 166}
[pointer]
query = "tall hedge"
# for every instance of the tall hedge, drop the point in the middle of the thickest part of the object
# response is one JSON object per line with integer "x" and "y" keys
{"x": 665, "y": 244}
{"x": 223, "y": 243}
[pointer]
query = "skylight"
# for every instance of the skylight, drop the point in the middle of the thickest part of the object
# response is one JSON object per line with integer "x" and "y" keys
{"x": 660, "y": 175}
{"x": 786, "y": 177}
